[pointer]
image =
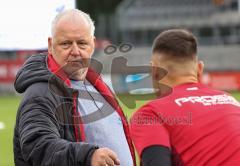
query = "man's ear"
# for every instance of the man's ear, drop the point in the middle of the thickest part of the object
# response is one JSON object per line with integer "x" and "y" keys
{"x": 155, "y": 73}
{"x": 94, "y": 42}
{"x": 93, "y": 45}
{"x": 49, "y": 45}
{"x": 200, "y": 70}
{"x": 155, "y": 77}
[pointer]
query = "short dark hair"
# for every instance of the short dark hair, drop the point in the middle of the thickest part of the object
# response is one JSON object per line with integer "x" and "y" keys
{"x": 176, "y": 43}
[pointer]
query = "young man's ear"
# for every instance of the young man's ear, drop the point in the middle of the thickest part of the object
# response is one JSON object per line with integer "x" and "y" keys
{"x": 155, "y": 74}
{"x": 200, "y": 70}
{"x": 49, "y": 45}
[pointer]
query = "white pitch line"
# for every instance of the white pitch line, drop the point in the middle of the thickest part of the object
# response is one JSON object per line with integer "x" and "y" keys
{"x": 2, "y": 126}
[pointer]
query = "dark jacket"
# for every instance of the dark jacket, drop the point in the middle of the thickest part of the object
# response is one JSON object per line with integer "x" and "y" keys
{"x": 48, "y": 128}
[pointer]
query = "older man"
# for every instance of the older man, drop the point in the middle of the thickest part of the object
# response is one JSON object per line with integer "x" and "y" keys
{"x": 57, "y": 123}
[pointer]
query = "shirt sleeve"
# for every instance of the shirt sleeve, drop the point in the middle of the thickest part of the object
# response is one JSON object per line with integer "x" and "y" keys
{"x": 147, "y": 129}
{"x": 156, "y": 155}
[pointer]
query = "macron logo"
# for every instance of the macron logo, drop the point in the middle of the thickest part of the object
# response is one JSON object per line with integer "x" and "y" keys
{"x": 208, "y": 100}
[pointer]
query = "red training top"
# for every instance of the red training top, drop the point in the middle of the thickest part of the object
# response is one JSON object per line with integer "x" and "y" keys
{"x": 199, "y": 125}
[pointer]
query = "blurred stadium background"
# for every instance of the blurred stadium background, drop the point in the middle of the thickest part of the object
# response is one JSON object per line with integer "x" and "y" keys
{"x": 25, "y": 27}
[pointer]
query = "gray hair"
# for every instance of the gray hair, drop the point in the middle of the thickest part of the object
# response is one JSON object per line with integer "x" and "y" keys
{"x": 75, "y": 11}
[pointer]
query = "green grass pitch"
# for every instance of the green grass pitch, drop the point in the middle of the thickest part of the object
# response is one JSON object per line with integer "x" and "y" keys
{"x": 8, "y": 108}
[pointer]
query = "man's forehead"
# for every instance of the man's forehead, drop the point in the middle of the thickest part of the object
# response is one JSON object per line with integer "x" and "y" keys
{"x": 72, "y": 28}
{"x": 70, "y": 21}
{"x": 74, "y": 18}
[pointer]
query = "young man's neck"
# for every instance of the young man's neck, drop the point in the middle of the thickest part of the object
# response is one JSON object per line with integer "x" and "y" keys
{"x": 179, "y": 80}
{"x": 165, "y": 86}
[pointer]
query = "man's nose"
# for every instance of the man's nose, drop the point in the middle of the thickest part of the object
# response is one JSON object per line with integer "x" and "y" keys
{"x": 75, "y": 50}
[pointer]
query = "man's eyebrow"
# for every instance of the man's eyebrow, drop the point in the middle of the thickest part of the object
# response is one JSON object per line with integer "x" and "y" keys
{"x": 65, "y": 41}
{"x": 81, "y": 40}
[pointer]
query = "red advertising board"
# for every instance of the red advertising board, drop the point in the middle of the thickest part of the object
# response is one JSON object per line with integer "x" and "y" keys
{"x": 224, "y": 80}
{"x": 228, "y": 80}
{"x": 8, "y": 70}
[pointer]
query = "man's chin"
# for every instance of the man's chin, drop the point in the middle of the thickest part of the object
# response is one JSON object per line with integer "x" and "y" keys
{"x": 78, "y": 75}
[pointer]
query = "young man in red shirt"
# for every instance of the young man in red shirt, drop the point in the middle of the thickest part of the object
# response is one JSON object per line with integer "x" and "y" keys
{"x": 189, "y": 123}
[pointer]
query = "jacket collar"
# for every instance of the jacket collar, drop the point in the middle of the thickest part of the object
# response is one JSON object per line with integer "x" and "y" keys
{"x": 55, "y": 68}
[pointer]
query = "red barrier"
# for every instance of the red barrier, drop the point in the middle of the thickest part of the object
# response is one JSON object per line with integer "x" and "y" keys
{"x": 8, "y": 70}
{"x": 218, "y": 80}
{"x": 222, "y": 80}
